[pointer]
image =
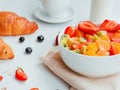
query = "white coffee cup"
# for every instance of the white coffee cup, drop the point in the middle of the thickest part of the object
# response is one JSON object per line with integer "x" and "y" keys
{"x": 55, "y": 8}
{"x": 101, "y": 10}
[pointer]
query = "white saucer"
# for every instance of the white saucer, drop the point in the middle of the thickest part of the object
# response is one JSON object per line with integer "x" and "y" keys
{"x": 41, "y": 15}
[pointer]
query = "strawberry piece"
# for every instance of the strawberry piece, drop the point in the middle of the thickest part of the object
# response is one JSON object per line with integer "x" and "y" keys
{"x": 88, "y": 27}
{"x": 1, "y": 77}
{"x": 70, "y": 31}
{"x": 115, "y": 40}
{"x": 20, "y": 74}
{"x": 111, "y": 34}
{"x": 114, "y": 36}
{"x": 115, "y": 48}
{"x": 109, "y": 25}
{"x": 89, "y": 37}
{"x": 79, "y": 33}
{"x": 112, "y": 51}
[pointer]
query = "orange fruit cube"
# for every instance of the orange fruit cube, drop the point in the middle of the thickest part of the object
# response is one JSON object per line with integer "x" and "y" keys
{"x": 103, "y": 44}
{"x": 115, "y": 47}
{"x": 92, "y": 47}
{"x": 103, "y": 53}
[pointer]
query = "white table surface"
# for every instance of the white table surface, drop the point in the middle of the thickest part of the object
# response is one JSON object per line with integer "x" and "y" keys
{"x": 38, "y": 75}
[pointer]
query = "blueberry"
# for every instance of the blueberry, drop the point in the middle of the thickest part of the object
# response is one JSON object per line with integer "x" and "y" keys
{"x": 21, "y": 39}
{"x": 40, "y": 38}
{"x": 28, "y": 50}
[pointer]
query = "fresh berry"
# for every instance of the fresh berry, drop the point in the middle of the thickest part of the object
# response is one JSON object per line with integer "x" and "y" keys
{"x": 109, "y": 25}
{"x": 70, "y": 30}
{"x": 40, "y": 38}
{"x": 1, "y": 77}
{"x": 20, "y": 74}
{"x": 28, "y": 50}
{"x": 88, "y": 27}
{"x": 21, "y": 39}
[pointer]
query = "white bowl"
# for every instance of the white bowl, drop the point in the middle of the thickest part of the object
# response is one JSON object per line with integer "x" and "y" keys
{"x": 90, "y": 66}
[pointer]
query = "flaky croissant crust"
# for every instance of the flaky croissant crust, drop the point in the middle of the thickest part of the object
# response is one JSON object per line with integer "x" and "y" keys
{"x": 12, "y": 24}
{"x": 6, "y": 51}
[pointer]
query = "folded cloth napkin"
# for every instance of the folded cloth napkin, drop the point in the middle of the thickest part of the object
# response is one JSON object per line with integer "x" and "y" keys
{"x": 53, "y": 61}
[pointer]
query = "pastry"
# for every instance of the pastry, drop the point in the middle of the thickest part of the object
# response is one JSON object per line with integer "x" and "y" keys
{"x": 11, "y": 24}
{"x": 6, "y": 51}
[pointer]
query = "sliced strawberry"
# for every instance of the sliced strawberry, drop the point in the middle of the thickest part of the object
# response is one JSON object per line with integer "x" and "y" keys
{"x": 109, "y": 25}
{"x": 114, "y": 36}
{"x": 89, "y": 37}
{"x": 111, "y": 34}
{"x": 20, "y": 74}
{"x": 79, "y": 33}
{"x": 112, "y": 51}
{"x": 115, "y": 40}
{"x": 115, "y": 48}
{"x": 88, "y": 27}
{"x": 70, "y": 30}
{"x": 1, "y": 77}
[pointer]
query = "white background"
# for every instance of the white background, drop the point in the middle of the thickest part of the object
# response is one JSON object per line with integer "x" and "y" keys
{"x": 38, "y": 75}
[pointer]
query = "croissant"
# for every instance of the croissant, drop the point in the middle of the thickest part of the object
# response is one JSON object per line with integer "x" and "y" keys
{"x": 6, "y": 51}
{"x": 12, "y": 24}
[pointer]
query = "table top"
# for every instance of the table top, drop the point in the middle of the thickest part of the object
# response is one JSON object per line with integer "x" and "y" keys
{"x": 38, "y": 74}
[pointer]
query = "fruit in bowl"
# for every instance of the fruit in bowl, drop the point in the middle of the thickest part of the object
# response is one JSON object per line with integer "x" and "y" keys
{"x": 91, "y": 49}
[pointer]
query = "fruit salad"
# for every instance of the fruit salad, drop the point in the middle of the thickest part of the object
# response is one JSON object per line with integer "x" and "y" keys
{"x": 92, "y": 39}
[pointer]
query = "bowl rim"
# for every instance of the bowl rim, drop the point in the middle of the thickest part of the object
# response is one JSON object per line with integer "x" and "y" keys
{"x": 101, "y": 57}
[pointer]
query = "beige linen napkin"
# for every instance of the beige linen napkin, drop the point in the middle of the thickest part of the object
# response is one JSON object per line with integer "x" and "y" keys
{"x": 54, "y": 62}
